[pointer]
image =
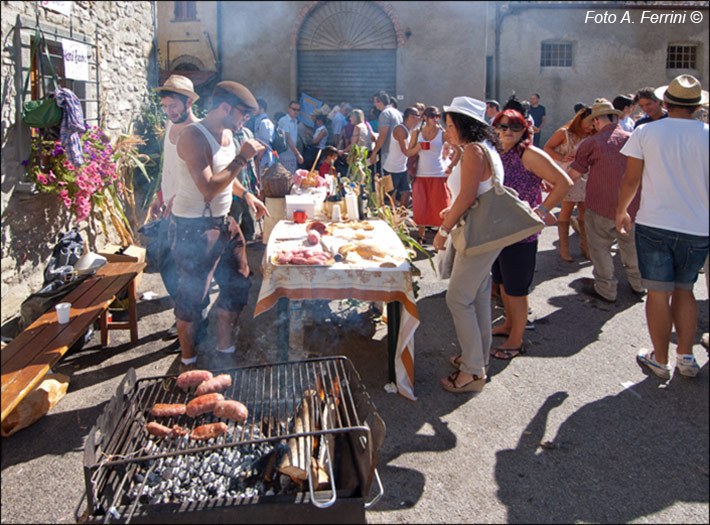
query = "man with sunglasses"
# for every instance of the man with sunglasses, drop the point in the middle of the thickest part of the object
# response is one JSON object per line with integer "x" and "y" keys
{"x": 291, "y": 158}
{"x": 205, "y": 240}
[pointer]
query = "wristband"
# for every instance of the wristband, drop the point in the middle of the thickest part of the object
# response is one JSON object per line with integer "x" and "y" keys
{"x": 244, "y": 195}
{"x": 241, "y": 158}
{"x": 547, "y": 212}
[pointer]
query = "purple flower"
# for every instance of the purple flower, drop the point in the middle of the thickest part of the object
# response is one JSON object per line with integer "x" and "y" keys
{"x": 25, "y": 162}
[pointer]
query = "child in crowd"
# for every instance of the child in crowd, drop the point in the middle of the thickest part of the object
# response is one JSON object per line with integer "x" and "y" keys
{"x": 330, "y": 155}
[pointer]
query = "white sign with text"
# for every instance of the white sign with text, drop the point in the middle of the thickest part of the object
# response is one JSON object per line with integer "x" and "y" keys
{"x": 76, "y": 60}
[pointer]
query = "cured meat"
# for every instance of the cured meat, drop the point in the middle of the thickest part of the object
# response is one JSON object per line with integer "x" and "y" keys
{"x": 193, "y": 378}
{"x": 156, "y": 429}
{"x": 313, "y": 237}
{"x": 230, "y": 409}
{"x": 167, "y": 410}
{"x": 304, "y": 256}
{"x": 203, "y": 404}
{"x": 217, "y": 384}
{"x": 209, "y": 431}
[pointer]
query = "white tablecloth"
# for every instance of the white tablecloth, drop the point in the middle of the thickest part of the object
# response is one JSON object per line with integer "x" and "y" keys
{"x": 364, "y": 280}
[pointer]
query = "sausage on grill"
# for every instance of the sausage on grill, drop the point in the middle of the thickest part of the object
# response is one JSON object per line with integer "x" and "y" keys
{"x": 209, "y": 431}
{"x": 193, "y": 378}
{"x": 217, "y": 384}
{"x": 230, "y": 409}
{"x": 203, "y": 404}
{"x": 167, "y": 410}
{"x": 156, "y": 429}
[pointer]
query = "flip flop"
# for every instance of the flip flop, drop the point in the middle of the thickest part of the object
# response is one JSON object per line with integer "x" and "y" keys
{"x": 509, "y": 353}
{"x": 475, "y": 385}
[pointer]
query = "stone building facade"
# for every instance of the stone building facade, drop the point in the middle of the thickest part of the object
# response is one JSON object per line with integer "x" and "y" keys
{"x": 121, "y": 34}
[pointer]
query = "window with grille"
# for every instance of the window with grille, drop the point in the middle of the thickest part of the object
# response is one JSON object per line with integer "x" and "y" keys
{"x": 556, "y": 54}
{"x": 185, "y": 11}
{"x": 680, "y": 57}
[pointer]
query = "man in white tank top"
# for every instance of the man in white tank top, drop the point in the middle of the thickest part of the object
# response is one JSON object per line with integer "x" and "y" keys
{"x": 396, "y": 161}
{"x": 205, "y": 240}
{"x": 176, "y": 96}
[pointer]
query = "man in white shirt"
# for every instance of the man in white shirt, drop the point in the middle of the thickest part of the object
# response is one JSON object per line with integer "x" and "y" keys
{"x": 291, "y": 158}
{"x": 388, "y": 119}
{"x": 669, "y": 158}
{"x": 176, "y": 96}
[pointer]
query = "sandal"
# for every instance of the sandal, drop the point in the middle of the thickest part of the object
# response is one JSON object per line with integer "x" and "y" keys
{"x": 475, "y": 385}
{"x": 455, "y": 361}
{"x": 508, "y": 353}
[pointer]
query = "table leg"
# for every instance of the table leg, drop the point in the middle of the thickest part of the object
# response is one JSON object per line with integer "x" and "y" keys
{"x": 103, "y": 324}
{"x": 282, "y": 327}
{"x": 394, "y": 315}
{"x": 132, "y": 314}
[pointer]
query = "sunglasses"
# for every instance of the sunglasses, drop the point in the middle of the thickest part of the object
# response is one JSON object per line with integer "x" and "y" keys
{"x": 294, "y": 109}
{"x": 515, "y": 128}
{"x": 436, "y": 115}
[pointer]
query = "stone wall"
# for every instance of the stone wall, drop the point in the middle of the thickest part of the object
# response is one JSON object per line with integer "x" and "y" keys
{"x": 124, "y": 33}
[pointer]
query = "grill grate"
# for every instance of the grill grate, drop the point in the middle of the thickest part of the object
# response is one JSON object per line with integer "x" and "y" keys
{"x": 119, "y": 444}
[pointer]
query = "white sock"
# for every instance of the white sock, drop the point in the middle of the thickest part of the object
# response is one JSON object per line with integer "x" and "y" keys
{"x": 189, "y": 360}
{"x": 229, "y": 350}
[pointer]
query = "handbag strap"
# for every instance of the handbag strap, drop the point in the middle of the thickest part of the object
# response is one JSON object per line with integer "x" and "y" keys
{"x": 497, "y": 185}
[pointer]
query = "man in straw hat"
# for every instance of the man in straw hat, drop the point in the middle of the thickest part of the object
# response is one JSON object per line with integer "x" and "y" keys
{"x": 206, "y": 241}
{"x": 601, "y": 156}
{"x": 670, "y": 160}
{"x": 176, "y": 96}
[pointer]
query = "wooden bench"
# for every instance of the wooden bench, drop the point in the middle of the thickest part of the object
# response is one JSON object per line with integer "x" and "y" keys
{"x": 30, "y": 355}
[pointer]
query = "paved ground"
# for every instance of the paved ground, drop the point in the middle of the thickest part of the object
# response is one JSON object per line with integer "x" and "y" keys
{"x": 619, "y": 445}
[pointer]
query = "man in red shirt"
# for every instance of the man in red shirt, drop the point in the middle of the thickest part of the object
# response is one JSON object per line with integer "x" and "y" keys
{"x": 600, "y": 155}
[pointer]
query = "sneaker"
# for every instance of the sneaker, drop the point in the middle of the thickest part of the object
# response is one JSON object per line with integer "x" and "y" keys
{"x": 645, "y": 357}
{"x": 687, "y": 365}
{"x": 172, "y": 332}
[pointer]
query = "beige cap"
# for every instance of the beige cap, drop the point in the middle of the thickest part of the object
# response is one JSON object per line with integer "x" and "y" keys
{"x": 179, "y": 84}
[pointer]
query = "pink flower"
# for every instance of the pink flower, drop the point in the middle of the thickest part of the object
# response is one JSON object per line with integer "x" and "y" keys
{"x": 42, "y": 178}
{"x": 52, "y": 176}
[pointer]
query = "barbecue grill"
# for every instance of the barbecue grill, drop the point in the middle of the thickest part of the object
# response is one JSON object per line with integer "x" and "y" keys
{"x": 314, "y": 413}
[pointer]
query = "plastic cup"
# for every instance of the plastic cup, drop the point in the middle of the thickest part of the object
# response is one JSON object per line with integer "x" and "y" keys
{"x": 426, "y": 145}
{"x": 336, "y": 213}
{"x": 63, "y": 312}
{"x": 299, "y": 216}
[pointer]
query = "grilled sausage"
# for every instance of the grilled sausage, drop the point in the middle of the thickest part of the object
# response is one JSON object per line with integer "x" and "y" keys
{"x": 167, "y": 410}
{"x": 209, "y": 431}
{"x": 156, "y": 429}
{"x": 219, "y": 383}
{"x": 230, "y": 409}
{"x": 203, "y": 404}
{"x": 193, "y": 378}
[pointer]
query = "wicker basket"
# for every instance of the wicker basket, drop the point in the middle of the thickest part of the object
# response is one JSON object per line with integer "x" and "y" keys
{"x": 276, "y": 182}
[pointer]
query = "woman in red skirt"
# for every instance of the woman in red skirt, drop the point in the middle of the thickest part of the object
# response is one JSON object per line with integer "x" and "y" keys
{"x": 429, "y": 192}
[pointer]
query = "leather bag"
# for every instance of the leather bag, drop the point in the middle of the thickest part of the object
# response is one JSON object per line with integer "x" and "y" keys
{"x": 42, "y": 113}
{"x": 498, "y": 218}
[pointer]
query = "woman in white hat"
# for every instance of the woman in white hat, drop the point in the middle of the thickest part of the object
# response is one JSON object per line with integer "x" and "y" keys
{"x": 468, "y": 295}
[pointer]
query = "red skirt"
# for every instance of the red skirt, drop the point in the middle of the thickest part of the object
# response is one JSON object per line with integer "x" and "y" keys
{"x": 430, "y": 195}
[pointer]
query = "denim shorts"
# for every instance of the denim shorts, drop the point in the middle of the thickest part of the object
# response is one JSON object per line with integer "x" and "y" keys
{"x": 669, "y": 260}
{"x": 400, "y": 181}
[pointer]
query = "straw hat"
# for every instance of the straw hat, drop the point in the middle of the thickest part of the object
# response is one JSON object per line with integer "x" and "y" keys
{"x": 471, "y": 107}
{"x": 599, "y": 108}
{"x": 684, "y": 90}
{"x": 179, "y": 84}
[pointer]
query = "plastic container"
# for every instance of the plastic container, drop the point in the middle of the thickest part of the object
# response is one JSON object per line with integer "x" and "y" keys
{"x": 351, "y": 206}
{"x": 300, "y": 202}
{"x": 63, "y": 310}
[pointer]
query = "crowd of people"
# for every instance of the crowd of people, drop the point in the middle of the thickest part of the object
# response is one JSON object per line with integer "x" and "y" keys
{"x": 641, "y": 183}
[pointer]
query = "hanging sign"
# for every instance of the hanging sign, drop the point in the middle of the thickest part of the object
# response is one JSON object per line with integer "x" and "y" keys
{"x": 308, "y": 104}
{"x": 76, "y": 60}
{"x": 60, "y": 7}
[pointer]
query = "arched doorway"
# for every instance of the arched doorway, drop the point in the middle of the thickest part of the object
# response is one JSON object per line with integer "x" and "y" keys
{"x": 346, "y": 52}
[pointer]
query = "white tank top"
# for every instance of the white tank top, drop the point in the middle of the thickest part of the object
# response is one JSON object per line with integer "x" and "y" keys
{"x": 431, "y": 162}
{"x": 454, "y": 180}
{"x": 169, "y": 180}
{"x": 396, "y": 161}
{"x": 189, "y": 202}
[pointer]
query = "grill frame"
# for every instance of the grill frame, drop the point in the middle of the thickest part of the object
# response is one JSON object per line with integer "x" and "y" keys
{"x": 116, "y": 445}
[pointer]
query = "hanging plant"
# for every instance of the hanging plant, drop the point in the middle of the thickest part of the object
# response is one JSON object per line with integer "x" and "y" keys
{"x": 90, "y": 189}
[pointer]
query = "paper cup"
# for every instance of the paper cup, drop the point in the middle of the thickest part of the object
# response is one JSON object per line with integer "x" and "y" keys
{"x": 426, "y": 145}
{"x": 63, "y": 312}
{"x": 336, "y": 213}
{"x": 299, "y": 216}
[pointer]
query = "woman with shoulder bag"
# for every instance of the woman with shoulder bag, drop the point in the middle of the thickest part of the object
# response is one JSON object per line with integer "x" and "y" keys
{"x": 468, "y": 294}
{"x": 526, "y": 166}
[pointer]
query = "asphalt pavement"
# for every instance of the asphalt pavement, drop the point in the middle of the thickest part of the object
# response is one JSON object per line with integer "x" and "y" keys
{"x": 572, "y": 431}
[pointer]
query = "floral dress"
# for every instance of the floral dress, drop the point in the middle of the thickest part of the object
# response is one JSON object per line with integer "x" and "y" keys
{"x": 569, "y": 147}
{"x": 526, "y": 183}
